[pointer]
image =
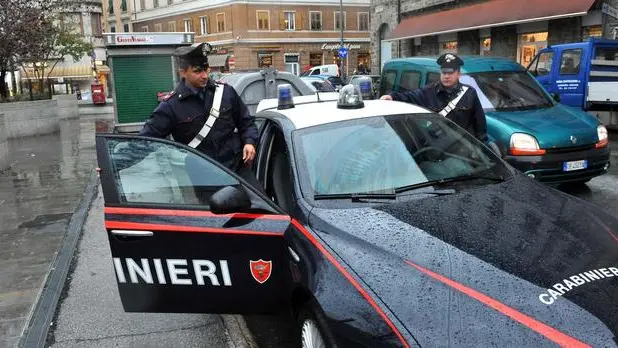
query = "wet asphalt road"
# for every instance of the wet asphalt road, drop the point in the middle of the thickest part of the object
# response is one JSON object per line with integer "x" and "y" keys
{"x": 279, "y": 332}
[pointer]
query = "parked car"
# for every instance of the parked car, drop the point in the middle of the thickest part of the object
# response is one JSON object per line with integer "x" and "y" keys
{"x": 329, "y": 69}
{"x": 319, "y": 84}
{"x": 380, "y": 224}
{"x": 548, "y": 141}
{"x": 254, "y": 86}
{"x": 334, "y": 81}
{"x": 375, "y": 80}
{"x": 583, "y": 75}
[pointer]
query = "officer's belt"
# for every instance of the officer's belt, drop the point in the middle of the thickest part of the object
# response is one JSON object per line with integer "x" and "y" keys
{"x": 453, "y": 103}
{"x": 212, "y": 117}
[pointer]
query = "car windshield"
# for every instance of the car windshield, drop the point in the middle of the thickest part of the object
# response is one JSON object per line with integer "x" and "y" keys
{"x": 507, "y": 90}
{"x": 386, "y": 153}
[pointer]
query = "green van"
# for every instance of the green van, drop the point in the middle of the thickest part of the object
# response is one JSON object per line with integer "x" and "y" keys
{"x": 548, "y": 141}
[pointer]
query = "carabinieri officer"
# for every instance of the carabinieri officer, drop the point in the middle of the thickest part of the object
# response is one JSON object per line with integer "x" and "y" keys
{"x": 205, "y": 115}
{"x": 450, "y": 98}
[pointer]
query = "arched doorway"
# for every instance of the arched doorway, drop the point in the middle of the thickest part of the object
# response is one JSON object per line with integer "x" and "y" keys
{"x": 385, "y": 46}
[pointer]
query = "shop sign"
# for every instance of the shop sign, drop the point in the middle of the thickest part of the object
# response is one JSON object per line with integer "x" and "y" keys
{"x": 336, "y": 47}
{"x": 136, "y": 39}
{"x": 610, "y": 10}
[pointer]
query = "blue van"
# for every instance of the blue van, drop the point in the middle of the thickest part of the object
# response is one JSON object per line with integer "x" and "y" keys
{"x": 548, "y": 141}
{"x": 583, "y": 75}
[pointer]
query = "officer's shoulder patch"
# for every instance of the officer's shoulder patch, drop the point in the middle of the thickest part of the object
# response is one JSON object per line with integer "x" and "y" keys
{"x": 169, "y": 96}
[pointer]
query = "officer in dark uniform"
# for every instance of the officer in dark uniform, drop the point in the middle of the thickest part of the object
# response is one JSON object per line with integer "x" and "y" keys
{"x": 467, "y": 113}
{"x": 185, "y": 111}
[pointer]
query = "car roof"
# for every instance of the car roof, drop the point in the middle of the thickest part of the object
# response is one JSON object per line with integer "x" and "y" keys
{"x": 472, "y": 64}
{"x": 313, "y": 113}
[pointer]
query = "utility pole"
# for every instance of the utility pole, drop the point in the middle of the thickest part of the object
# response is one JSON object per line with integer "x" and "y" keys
{"x": 342, "y": 24}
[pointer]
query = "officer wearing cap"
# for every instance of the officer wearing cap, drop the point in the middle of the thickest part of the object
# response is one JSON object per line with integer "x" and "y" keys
{"x": 452, "y": 99}
{"x": 205, "y": 115}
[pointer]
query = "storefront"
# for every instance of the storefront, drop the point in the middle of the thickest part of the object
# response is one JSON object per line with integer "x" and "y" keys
{"x": 508, "y": 28}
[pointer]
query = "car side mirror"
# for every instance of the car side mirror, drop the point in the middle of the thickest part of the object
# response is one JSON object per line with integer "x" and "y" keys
{"x": 229, "y": 199}
{"x": 541, "y": 71}
{"x": 556, "y": 97}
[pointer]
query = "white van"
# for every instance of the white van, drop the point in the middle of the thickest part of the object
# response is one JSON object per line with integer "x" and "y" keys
{"x": 330, "y": 69}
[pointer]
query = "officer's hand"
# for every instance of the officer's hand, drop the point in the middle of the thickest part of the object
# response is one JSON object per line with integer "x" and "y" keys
{"x": 248, "y": 153}
{"x": 386, "y": 97}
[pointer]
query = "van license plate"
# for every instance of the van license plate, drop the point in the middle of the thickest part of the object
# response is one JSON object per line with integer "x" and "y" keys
{"x": 574, "y": 165}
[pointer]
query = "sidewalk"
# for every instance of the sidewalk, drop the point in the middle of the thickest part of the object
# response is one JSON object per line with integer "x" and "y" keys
{"x": 38, "y": 195}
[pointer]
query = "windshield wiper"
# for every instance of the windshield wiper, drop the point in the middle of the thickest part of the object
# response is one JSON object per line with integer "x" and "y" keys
{"x": 447, "y": 180}
{"x": 355, "y": 197}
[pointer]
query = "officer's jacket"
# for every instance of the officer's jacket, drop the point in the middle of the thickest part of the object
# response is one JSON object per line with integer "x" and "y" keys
{"x": 184, "y": 113}
{"x": 468, "y": 113}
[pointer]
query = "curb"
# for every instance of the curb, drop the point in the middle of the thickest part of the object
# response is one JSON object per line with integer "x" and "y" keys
{"x": 40, "y": 318}
{"x": 238, "y": 332}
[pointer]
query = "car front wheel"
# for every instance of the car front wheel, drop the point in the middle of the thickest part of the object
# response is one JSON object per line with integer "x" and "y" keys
{"x": 313, "y": 333}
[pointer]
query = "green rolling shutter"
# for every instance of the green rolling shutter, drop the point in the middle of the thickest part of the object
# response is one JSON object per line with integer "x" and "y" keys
{"x": 137, "y": 81}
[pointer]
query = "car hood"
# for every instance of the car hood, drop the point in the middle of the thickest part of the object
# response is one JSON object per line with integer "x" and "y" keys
{"x": 511, "y": 262}
{"x": 552, "y": 127}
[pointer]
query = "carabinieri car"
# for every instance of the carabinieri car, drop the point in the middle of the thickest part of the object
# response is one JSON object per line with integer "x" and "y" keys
{"x": 377, "y": 224}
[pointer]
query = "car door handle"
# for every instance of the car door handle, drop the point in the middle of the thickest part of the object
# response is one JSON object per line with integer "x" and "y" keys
{"x": 132, "y": 233}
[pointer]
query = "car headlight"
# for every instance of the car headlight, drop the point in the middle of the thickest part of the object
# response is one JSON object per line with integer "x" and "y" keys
{"x": 603, "y": 137}
{"x": 525, "y": 145}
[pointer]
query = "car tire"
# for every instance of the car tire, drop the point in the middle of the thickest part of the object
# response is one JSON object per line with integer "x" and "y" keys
{"x": 312, "y": 330}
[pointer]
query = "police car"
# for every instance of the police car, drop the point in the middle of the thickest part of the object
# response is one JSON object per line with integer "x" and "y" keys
{"x": 378, "y": 224}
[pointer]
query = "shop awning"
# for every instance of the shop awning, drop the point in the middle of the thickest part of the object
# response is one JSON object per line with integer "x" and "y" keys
{"x": 491, "y": 13}
{"x": 217, "y": 60}
{"x": 73, "y": 72}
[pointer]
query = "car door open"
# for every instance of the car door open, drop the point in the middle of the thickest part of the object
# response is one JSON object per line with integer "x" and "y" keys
{"x": 186, "y": 234}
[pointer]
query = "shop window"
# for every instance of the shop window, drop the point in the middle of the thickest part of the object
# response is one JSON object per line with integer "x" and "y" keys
{"x": 410, "y": 80}
{"x": 204, "y": 25}
{"x": 291, "y": 62}
{"x": 220, "y": 22}
{"x": 449, "y": 47}
{"x": 289, "y": 20}
{"x": 570, "y": 62}
{"x": 338, "y": 20}
{"x": 592, "y": 31}
{"x": 315, "y": 59}
{"x": 432, "y": 78}
{"x": 363, "y": 21}
{"x": 485, "y": 46}
{"x": 265, "y": 60}
{"x": 530, "y": 44}
{"x": 316, "y": 20}
{"x": 388, "y": 82}
{"x": 263, "y": 20}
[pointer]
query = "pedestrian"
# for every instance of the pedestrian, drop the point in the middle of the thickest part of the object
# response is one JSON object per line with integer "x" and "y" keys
{"x": 206, "y": 115}
{"x": 450, "y": 98}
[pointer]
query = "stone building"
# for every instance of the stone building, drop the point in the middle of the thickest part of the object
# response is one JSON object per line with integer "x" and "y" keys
{"x": 288, "y": 34}
{"x": 516, "y": 29}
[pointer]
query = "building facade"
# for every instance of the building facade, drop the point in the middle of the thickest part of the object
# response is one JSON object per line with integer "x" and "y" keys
{"x": 516, "y": 29}
{"x": 290, "y": 35}
{"x": 67, "y": 76}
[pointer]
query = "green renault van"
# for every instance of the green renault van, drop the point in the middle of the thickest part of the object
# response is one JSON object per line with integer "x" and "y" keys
{"x": 548, "y": 141}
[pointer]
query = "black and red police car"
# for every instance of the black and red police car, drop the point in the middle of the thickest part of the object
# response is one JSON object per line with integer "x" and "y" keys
{"x": 382, "y": 225}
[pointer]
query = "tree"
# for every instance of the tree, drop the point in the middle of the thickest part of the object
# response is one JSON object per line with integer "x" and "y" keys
{"x": 32, "y": 32}
{"x": 53, "y": 42}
